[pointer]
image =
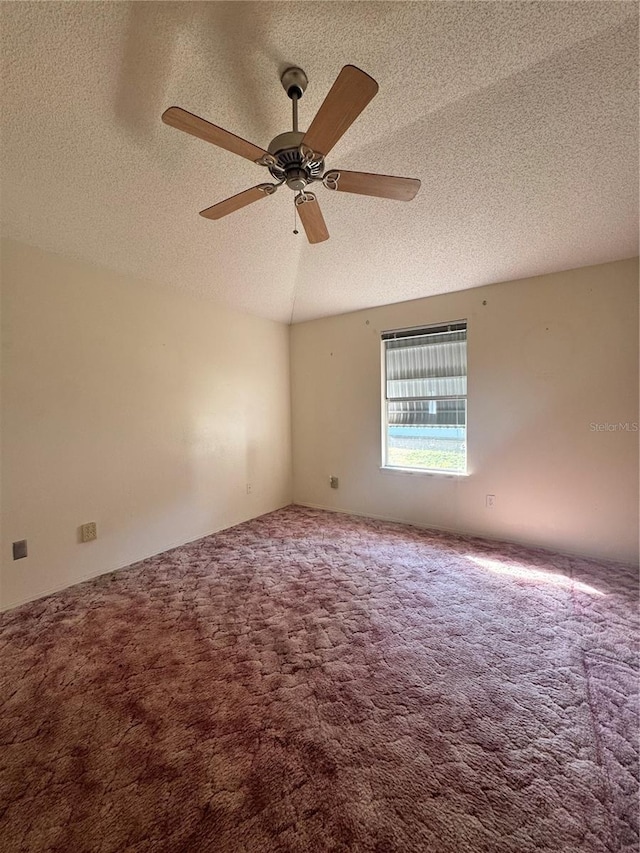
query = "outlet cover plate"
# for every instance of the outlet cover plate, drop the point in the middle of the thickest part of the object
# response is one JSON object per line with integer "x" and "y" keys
{"x": 88, "y": 531}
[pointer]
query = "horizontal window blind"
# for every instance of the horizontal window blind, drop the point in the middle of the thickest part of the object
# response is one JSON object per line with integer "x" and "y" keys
{"x": 427, "y": 364}
{"x": 426, "y": 397}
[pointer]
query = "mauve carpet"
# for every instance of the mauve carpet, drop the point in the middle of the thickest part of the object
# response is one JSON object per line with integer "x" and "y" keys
{"x": 310, "y": 681}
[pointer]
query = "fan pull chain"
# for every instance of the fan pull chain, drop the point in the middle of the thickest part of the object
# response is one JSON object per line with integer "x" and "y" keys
{"x": 295, "y": 217}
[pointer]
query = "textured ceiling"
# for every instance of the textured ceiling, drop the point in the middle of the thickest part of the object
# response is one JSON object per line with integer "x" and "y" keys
{"x": 519, "y": 118}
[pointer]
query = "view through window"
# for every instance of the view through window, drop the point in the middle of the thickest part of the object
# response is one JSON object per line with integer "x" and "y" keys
{"x": 425, "y": 405}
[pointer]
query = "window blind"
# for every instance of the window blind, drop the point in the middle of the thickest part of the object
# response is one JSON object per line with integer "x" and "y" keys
{"x": 425, "y": 397}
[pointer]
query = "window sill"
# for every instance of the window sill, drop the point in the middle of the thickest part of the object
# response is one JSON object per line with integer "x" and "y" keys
{"x": 429, "y": 472}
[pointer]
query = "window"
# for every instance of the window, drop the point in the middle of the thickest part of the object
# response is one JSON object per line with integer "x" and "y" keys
{"x": 425, "y": 398}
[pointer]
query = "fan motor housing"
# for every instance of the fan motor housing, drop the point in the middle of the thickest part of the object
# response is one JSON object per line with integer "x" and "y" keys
{"x": 298, "y": 171}
{"x": 285, "y": 141}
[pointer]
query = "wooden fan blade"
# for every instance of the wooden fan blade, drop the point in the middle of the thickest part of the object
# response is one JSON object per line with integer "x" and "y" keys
{"x": 229, "y": 205}
{"x": 349, "y": 95}
{"x": 196, "y": 126}
{"x": 313, "y": 220}
{"x": 382, "y": 186}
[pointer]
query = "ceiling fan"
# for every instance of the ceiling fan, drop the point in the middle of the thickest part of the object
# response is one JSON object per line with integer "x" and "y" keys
{"x": 295, "y": 158}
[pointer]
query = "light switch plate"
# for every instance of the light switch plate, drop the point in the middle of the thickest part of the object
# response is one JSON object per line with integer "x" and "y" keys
{"x": 20, "y": 549}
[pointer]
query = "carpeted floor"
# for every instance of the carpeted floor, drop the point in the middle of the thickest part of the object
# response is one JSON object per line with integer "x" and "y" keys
{"x": 315, "y": 682}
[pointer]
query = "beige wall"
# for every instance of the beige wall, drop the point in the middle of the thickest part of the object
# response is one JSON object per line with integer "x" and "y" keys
{"x": 144, "y": 410}
{"x": 547, "y": 357}
{"x": 149, "y": 411}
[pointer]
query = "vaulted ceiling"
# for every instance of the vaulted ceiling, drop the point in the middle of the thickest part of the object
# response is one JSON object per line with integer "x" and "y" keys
{"x": 520, "y": 119}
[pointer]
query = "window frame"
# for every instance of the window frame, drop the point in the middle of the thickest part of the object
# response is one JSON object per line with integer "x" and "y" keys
{"x": 409, "y": 331}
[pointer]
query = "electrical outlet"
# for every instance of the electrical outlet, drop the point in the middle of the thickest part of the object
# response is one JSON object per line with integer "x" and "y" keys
{"x": 88, "y": 531}
{"x": 20, "y": 549}
{"x": 249, "y": 488}
{"x": 490, "y": 501}
{"x": 333, "y": 482}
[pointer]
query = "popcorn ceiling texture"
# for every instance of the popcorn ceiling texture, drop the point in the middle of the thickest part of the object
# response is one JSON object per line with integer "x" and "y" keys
{"x": 519, "y": 118}
{"x": 309, "y": 681}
